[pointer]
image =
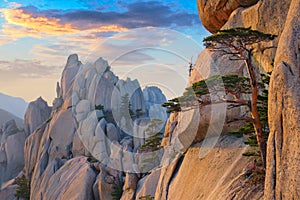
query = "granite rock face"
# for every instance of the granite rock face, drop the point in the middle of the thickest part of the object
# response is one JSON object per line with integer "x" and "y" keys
{"x": 215, "y": 13}
{"x": 71, "y": 180}
{"x": 37, "y": 112}
{"x": 70, "y": 71}
{"x": 283, "y": 155}
{"x": 82, "y": 133}
{"x": 11, "y": 151}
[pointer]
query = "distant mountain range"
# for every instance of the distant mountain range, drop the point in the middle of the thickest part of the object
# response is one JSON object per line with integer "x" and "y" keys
{"x": 7, "y": 116}
{"x": 14, "y": 105}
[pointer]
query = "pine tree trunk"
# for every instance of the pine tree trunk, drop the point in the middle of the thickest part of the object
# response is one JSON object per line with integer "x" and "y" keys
{"x": 254, "y": 111}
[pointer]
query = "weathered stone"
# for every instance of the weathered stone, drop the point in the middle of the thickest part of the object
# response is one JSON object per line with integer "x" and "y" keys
{"x": 215, "y": 13}
{"x": 283, "y": 152}
{"x": 112, "y": 132}
{"x": 11, "y": 151}
{"x": 61, "y": 131}
{"x": 147, "y": 185}
{"x": 70, "y": 71}
{"x": 31, "y": 150}
{"x": 129, "y": 186}
{"x": 78, "y": 187}
{"x": 214, "y": 176}
{"x": 37, "y": 112}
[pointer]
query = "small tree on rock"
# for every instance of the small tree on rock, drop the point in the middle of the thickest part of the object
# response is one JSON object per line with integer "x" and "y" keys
{"x": 238, "y": 42}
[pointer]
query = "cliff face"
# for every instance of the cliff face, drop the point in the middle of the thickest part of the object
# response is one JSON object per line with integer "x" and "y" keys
{"x": 281, "y": 57}
{"x": 283, "y": 174}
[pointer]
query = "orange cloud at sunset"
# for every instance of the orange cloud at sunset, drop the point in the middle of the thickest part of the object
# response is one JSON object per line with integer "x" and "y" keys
{"x": 40, "y": 23}
{"x": 20, "y": 24}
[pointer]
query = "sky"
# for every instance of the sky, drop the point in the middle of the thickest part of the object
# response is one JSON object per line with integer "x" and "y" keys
{"x": 152, "y": 41}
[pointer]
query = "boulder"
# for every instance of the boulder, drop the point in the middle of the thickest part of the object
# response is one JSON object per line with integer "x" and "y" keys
{"x": 215, "y": 13}
{"x": 147, "y": 185}
{"x": 78, "y": 187}
{"x": 37, "y": 112}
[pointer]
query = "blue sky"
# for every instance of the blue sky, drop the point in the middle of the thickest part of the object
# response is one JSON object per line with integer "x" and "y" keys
{"x": 156, "y": 36}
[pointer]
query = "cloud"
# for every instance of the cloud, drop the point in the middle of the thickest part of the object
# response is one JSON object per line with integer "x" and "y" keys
{"x": 27, "y": 69}
{"x": 136, "y": 15}
{"x": 21, "y": 23}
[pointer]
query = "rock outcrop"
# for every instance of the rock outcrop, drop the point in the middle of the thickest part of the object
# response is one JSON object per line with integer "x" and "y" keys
{"x": 215, "y": 13}
{"x": 11, "y": 151}
{"x": 219, "y": 175}
{"x": 83, "y": 133}
{"x": 283, "y": 156}
{"x": 37, "y": 112}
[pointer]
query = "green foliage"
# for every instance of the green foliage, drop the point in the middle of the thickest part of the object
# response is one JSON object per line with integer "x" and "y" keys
{"x": 125, "y": 109}
{"x": 139, "y": 113}
{"x": 146, "y": 197}
{"x": 172, "y": 105}
{"x": 153, "y": 141}
{"x": 99, "y": 107}
{"x": 91, "y": 159}
{"x": 262, "y": 106}
{"x": 117, "y": 189}
{"x": 239, "y": 35}
{"x": 228, "y": 83}
{"x": 251, "y": 153}
{"x": 251, "y": 140}
{"x": 23, "y": 189}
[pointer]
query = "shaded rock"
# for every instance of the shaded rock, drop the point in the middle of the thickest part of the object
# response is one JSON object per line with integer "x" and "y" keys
{"x": 153, "y": 99}
{"x": 129, "y": 187}
{"x": 11, "y": 151}
{"x": 139, "y": 128}
{"x": 283, "y": 152}
{"x": 105, "y": 182}
{"x": 7, "y": 192}
{"x": 112, "y": 132}
{"x": 147, "y": 185}
{"x": 37, "y": 112}
{"x": 31, "y": 149}
{"x": 61, "y": 131}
